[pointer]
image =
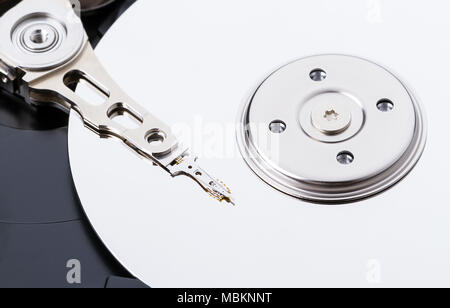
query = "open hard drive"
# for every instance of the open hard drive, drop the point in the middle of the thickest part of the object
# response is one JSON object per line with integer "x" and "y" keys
{"x": 45, "y": 239}
{"x": 255, "y": 143}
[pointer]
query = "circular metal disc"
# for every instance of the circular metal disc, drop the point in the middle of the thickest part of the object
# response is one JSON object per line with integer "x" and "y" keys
{"x": 195, "y": 65}
{"x": 37, "y": 40}
{"x": 325, "y": 118}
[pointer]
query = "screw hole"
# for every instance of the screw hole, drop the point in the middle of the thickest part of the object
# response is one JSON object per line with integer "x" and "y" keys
{"x": 155, "y": 137}
{"x": 277, "y": 127}
{"x": 318, "y": 75}
{"x": 198, "y": 173}
{"x": 345, "y": 158}
{"x": 39, "y": 36}
{"x": 385, "y": 105}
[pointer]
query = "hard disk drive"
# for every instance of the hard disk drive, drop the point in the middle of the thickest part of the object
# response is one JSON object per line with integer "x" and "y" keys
{"x": 254, "y": 143}
{"x": 43, "y": 230}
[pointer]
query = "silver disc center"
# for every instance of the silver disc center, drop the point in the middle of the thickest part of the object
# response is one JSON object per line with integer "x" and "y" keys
{"x": 332, "y": 137}
{"x": 39, "y": 37}
{"x": 331, "y": 116}
{"x": 332, "y": 113}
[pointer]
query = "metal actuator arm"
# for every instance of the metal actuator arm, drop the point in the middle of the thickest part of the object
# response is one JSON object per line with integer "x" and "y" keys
{"x": 45, "y": 55}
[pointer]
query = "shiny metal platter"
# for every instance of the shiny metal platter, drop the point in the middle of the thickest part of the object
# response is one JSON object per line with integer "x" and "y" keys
{"x": 196, "y": 64}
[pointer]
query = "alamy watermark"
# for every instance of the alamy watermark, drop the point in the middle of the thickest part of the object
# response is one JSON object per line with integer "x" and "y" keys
{"x": 74, "y": 274}
{"x": 374, "y": 11}
{"x": 373, "y": 275}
